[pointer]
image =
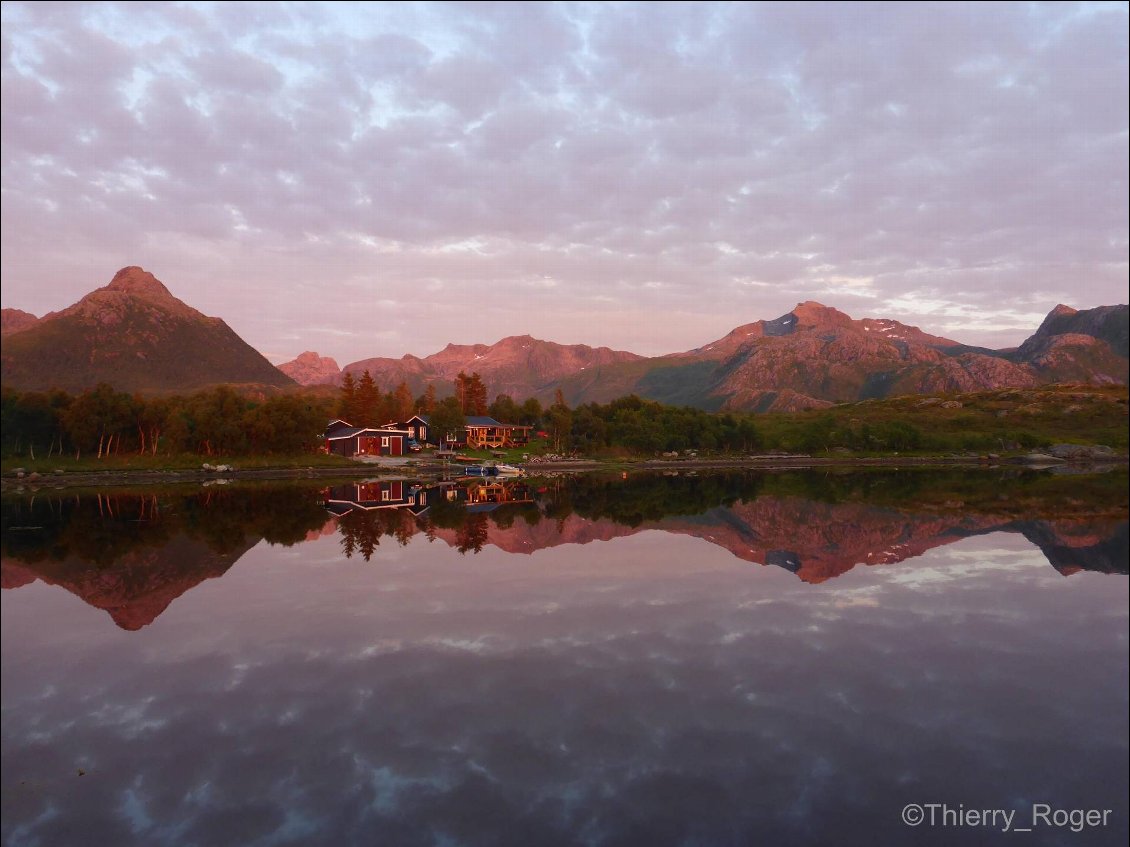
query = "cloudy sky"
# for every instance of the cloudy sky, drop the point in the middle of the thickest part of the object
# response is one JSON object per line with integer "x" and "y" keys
{"x": 369, "y": 180}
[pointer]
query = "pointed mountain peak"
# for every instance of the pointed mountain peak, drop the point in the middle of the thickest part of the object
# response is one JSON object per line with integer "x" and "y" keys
{"x": 135, "y": 280}
{"x": 1061, "y": 309}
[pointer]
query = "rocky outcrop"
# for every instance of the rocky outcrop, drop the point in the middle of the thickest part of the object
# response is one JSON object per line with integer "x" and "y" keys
{"x": 962, "y": 374}
{"x": 311, "y": 369}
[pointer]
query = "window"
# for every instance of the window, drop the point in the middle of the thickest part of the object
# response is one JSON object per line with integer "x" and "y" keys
{"x": 384, "y": 441}
{"x": 385, "y": 495}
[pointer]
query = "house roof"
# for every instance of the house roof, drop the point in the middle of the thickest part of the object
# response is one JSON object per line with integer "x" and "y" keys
{"x": 479, "y": 420}
{"x": 359, "y": 430}
{"x": 475, "y": 420}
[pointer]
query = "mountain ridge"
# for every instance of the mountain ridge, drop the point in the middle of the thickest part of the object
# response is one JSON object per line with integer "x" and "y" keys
{"x": 134, "y": 334}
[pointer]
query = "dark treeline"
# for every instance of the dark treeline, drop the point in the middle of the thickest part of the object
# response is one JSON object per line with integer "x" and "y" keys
{"x": 103, "y": 422}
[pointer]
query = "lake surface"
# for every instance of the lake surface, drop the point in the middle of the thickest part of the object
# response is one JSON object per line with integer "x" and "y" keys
{"x": 712, "y": 659}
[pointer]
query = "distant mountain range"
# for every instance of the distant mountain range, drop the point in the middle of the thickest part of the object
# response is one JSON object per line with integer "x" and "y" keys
{"x": 813, "y": 356}
{"x": 134, "y": 334}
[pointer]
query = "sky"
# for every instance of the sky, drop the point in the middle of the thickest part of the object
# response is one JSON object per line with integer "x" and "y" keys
{"x": 374, "y": 180}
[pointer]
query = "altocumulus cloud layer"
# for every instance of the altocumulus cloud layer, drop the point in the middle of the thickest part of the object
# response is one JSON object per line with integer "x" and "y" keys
{"x": 372, "y": 180}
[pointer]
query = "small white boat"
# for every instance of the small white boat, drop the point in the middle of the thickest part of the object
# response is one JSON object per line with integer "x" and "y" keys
{"x": 508, "y": 470}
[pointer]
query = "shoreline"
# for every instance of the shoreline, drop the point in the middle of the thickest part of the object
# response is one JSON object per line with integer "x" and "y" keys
{"x": 11, "y": 484}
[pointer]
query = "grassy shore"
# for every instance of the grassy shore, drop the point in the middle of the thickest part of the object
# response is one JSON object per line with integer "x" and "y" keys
{"x": 126, "y": 463}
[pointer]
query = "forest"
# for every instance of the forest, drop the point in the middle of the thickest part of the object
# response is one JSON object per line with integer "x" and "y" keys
{"x": 221, "y": 421}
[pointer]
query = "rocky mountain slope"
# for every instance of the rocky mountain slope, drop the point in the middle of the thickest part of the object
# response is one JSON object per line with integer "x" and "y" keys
{"x": 135, "y": 335}
{"x": 13, "y": 320}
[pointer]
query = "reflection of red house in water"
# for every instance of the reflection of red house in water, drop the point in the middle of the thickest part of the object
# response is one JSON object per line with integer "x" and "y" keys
{"x": 383, "y": 494}
{"x": 404, "y": 494}
{"x": 346, "y": 440}
{"x": 488, "y": 495}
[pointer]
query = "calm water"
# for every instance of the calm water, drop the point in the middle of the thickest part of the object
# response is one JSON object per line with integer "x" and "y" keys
{"x": 698, "y": 660}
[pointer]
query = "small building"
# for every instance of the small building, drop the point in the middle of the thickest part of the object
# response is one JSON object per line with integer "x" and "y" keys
{"x": 484, "y": 432}
{"x": 346, "y": 440}
{"x": 417, "y": 427}
{"x": 479, "y": 432}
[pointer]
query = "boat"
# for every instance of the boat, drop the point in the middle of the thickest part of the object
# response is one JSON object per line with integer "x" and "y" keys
{"x": 492, "y": 469}
{"x": 480, "y": 470}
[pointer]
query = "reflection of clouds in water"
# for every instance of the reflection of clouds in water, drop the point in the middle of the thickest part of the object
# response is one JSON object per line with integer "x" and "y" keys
{"x": 712, "y": 707}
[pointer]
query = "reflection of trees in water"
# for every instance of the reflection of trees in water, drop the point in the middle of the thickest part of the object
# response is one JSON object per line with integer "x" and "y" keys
{"x": 472, "y": 535}
{"x": 361, "y": 530}
{"x": 101, "y": 528}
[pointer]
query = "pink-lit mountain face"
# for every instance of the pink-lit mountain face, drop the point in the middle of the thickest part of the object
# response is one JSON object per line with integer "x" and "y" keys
{"x": 135, "y": 335}
{"x": 817, "y": 356}
{"x": 520, "y": 365}
{"x": 14, "y": 320}
{"x": 311, "y": 369}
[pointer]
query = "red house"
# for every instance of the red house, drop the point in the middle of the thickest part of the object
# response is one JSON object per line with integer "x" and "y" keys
{"x": 346, "y": 440}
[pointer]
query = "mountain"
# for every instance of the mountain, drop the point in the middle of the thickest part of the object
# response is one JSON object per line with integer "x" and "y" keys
{"x": 311, "y": 369}
{"x": 1107, "y": 323}
{"x": 135, "y": 335}
{"x": 519, "y": 365}
{"x": 1088, "y": 345}
{"x": 14, "y": 320}
{"x": 817, "y": 356}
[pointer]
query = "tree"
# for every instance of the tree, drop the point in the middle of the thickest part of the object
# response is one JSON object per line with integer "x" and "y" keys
{"x": 97, "y": 417}
{"x": 347, "y": 404}
{"x": 560, "y": 421}
{"x": 504, "y": 409}
{"x": 471, "y": 392}
{"x": 401, "y": 403}
{"x": 447, "y": 420}
{"x": 531, "y": 412}
{"x": 368, "y": 401}
{"x": 426, "y": 404}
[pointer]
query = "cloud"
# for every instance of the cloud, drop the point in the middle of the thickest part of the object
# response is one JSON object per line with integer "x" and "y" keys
{"x": 957, "y": 153}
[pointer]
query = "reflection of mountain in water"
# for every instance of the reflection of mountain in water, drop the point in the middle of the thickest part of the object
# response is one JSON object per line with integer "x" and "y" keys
{"x": 140, "y": 584}
{"x": 132, "y": 555}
